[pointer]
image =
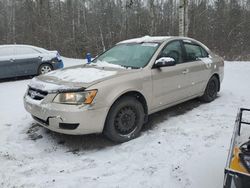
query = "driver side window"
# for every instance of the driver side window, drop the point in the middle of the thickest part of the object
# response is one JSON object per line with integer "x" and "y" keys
{"x": 173, "y": 50}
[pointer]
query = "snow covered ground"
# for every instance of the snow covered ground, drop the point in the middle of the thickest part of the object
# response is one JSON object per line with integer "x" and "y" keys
{"x": 182, "y": 147}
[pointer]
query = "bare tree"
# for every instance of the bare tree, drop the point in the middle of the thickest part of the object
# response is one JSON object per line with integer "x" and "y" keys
{"x": 75, "y": 27}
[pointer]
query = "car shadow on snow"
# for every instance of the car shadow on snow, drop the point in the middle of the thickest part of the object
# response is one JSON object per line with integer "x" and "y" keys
{"x": 78, "y": 144}
{"x": 163, "y": 115}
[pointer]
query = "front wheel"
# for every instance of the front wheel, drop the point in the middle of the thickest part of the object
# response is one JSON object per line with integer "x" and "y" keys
{"x": 44, "y": 68}
{"x": 211, "y": 90}
{"x": 125, "y": 120}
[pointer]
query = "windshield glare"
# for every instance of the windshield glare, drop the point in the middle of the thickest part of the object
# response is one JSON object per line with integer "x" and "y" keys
{"x": 129, "y": 55}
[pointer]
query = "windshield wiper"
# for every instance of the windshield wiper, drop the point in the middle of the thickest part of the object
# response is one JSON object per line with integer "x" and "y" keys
{"x": 132, "y": 67}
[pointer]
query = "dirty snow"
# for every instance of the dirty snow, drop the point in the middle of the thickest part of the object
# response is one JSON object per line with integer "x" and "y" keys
{"x": 182, "y": 147}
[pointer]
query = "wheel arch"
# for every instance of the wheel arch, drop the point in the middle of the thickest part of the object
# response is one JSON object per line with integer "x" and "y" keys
{"x": 138, "y": 95}
{"x": 108, "y": 128}
{"x": 218, "y": 77}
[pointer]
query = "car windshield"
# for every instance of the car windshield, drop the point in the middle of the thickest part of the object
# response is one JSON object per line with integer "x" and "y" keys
{"x": 132, "y": 55}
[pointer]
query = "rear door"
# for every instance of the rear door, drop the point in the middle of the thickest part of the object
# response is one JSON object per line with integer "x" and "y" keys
{"x": 27, "y": 59}
{"x": 198, "y": 71}
{"x": 7, "y": 65}
{"x": 170, "y": 83}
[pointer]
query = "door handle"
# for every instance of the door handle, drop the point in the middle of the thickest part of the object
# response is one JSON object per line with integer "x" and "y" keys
{"x": 185, "y": 71}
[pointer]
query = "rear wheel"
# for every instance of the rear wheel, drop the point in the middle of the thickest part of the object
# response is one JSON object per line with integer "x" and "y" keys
{"x": 211, "y": 90}
{"x": 125, "y": 120}
{"x": 44, "y": 68}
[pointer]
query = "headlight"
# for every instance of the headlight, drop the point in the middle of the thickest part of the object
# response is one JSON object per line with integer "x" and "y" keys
{"x": 76, "y": 98}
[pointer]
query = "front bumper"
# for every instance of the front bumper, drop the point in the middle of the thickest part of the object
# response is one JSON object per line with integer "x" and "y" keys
{"x": 67, "y": 119}
{"x": 58, "y": 65}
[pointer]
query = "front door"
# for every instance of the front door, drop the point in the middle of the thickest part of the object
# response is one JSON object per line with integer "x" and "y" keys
{"x": 7, "y": 65}
{"x": 27, "y": 60}
{"x": 170, "y": 83}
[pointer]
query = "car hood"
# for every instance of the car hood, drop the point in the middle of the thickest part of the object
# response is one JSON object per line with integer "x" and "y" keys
{"x": 76, "y": 78}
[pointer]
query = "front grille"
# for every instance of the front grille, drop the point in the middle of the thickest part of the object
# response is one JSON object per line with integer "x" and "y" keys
{"x": 36, "y": 94}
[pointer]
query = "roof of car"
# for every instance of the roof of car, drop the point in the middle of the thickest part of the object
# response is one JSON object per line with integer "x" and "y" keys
{"x": 146, "y": 39}
{"x": 160, "y": 39}
{"x": 155, "y": 39}
{"x": 151, "y": 39}
{"x": 24, "y": 45}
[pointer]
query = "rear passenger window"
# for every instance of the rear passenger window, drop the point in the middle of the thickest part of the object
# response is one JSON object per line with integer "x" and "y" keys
{"x": 19, "y": 50}
{"x": 6, "y": 51}
{"x": 194, "y": 52}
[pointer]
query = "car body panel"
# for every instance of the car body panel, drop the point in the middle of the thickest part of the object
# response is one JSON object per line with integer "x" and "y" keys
{"x": 52, "y": 77}
{"x": 60, "y": 113}
{"x": 25, "y": 60}
{"x": 7, "y": 65}
{"x": 160, "y": 87}
{"x": 169, "y": 84}
{"x": 28, "y": 64}
{"x": 8, "y": 68}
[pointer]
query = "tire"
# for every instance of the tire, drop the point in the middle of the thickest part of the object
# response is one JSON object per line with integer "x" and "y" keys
{"x": 125, "y": 120}
{"x": 211, "y": 90}
{"x": 44, "y": 68}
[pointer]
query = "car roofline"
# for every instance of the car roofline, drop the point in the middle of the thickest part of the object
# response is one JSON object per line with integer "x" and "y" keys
{"x": 156, "y": 39}
{"x": 25, "y": 45}
{"x": 146, "y": 39}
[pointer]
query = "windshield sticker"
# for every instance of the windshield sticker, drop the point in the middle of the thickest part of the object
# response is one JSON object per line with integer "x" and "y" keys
{"x": 150, "y": 44}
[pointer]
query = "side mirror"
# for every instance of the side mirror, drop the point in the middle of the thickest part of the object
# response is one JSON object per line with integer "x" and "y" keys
{"x": 165, "y": 62}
